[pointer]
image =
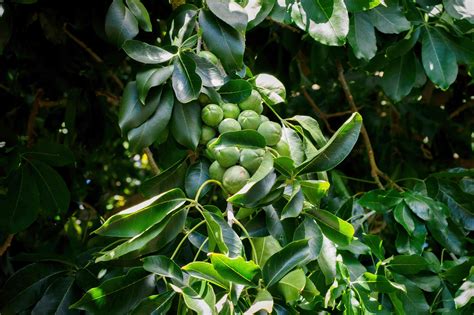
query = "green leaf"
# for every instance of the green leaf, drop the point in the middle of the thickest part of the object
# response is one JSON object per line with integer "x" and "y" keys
{"x": 361, "y": 36}
{"x": 205, "y": 271}
{"x": 390, "y": 19}
{"x": 211, "y": 75}
{"x": 265, "y": 247}
{"x": 314, "y": 190}
{"x": 21, "y": 205}
{"x": 334, "y": 228}
{"x": 26, "y": 286}
{"x": 257, "y": 11}
{"x": 235, "y": 269}
{"x": 263, "y": 302}
{"x": 235, "y": 91}
{"x": 311, "y": 125}
{"x": 375, "y": 244}
{"x": 222, "y": 234}
{"x": 408, "y": 264}
{"x": 379, "y": 283}
{"x": 361, "y": 5}
{"x": 309, "y": 230}
{"x": 295, "y": 145}
{"x": 54, "y": 195}
{"x": 163, "y": 266}
{"x": 196, "y": 175}
{"x": 155, "y": 304}
{"x": 168, "y": 179}
{"x": 282, "y": 262}
{"x": 327, "y": 23}
{"x": 151, "y": 78}
{"x": 129, "y": 289}
{"x": 413, "y": 300}
{"x": 230, "y": 12}
{"x": 274, "y": 225}
{"x": 186, "y": 124}
{"x": 403, "y": 216}
{"x": 186, "y": 82}
{"x": 138, "y": 218}
{"x": 57, "y": 298}
{"x": 242, "y": 139}
{"x": 380, "y": 200}
{"x": 419, "y": 204}
{"x": 460, "y": 9}
{"x": 120, "y": 23}
{"x": 141, "y": 14}
{"x": 200, "y": 298}
{"x": 336, "y": 149}
{"x": 294, "y": 205}
{"x": 270, "y": 88}
{"x": 399, "y": 77}
{"x": 402, "y": 47}
{"x": 460, "y": 204}
{"x": 292, "y": 285}
{"x": 465, "y": 293}
{"x": 284, "y": 165}
{"x": 146, "y": 53}
{"x": 222, "y": 40}
{"x": 327, "y": 260}
{"x": 52, "y": 153}
{"x": 439, "y": 60}
{"x": 149, "y": 131}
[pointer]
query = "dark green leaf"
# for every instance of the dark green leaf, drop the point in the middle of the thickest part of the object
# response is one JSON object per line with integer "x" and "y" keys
{"x": 241, "y": 139}
{"x": 465, "y": 293}
{"x": 404, "y": 46}
{"x": 399, "y": 77}
{"x": 403, "y": 216}
{"x": 200, "y": 298}
{"x": 205, "y": 271}
{"x": 379, "y": 283}
{"x": 311, "y": 125}
{"x": 224, "y": 41}
{"x": 263, "y": 302}
{"x": 211, "y": 75}
{"x": 257, "y": 11}
{"x": 420, "y": 204}
{"x": 186, "y": 124}
{"x": 118, "y": 295}
{"x": 376, "y": 245}
{"x": 380, "y": 200}
{"x": 57, "y": 298}
{"x": 265, "y": 247}
{"x": 361, "y": 5}
{"x": 361, "y": 36}
{"x": 408, "y": 264}
{"x": 120, "y": 23}
{"x": 336, "y": 149}
{"x": 308, "y": 229}
{"x": 146, "y": 53}
{"x": 163, "y": 266}
{"x": 270, "y": 88}
{"x": 235, "y": 269}
{"x": 168, "y": 179}
{"x": 151, "y": 78}
{"x": 155, "y": 304}
{"x": 314, "y": 190}
{"x": 230, "y": 12}
{"x": 292, "y": 285}
{"x": 460, "y": 204}
{"x": 274, "y": 225}
{"x": 141, "y": 14}
{"x": 235, "y": 91}
{"x": 460, "y": 9}
{"x": 334, "y": 228}
{"x": 222, "y": 234}
{"x": 186, "y": 82}
{"x": 197, "y": 174}
{"x": 413, "y": 300}
{"x": 390, "y": 19}
{"x": 282, "y": 262}
{"x": 52, "y": 153}
{"x": 295, "y": 145}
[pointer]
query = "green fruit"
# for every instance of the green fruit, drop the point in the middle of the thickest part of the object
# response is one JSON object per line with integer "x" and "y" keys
{"x": 235, "y": 178}
{"x": 210, "y": 152}
{"x": 229, "y": 124}
{"x": 209, "y": 57}
{"x": 212, "y": 115}
{"x": 249, "y": 119}
{"x": 283, "y": 148}
{"x": 271, "y": 131}
{"x": 230, "y": 110}
{"x": 207, "y": 133}
{"x": 216, "y": 171}
{"x": 251, "y": 159}
{"x": 204, "y": 99}
{"x": 264, "y": 118}
{"x": 253, "y": 102}
{"x": 227, "y": 156}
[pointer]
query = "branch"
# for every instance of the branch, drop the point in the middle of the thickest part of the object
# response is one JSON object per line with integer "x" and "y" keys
{"x": 375, "y": 172}
{"x": 154, "y": 167}
{"x": 30, "y": 128}
{"x": 316, "y": 109}
{"x": 6, "y": 244}
{"x": 460, "y": 110}
{"x": 283, "y": 25}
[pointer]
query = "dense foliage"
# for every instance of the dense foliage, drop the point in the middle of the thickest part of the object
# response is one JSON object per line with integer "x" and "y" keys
{"x": 289, "y": 157}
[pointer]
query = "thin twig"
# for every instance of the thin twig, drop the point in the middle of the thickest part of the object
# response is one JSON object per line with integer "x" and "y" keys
{"x": 30, "y": 129}
{"x": 5, "y": 88}
{"x": 316, "y": 109}
{"x": 375, "y": 172}
{"x": 460, "y": 110}
{"x": 154, "y": 167}
{"x": 6, "y": 244}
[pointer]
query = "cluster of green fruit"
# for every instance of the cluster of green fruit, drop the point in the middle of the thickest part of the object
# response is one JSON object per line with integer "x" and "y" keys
{"x": 233, "y": 166}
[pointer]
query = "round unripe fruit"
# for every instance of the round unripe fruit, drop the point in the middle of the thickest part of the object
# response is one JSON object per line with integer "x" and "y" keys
{"x": 230, "y": 110}
{"x": 251, "y": 159}
{"x": 216, "y": 171}
{"x": 212, "y": 115}
{"x": 210, "y": 152}
{"x": 283, "y": 148}
{"x": 253, "y": 102}
{"x": 204, "y": 99}
{"x": 229, "y": 124}
{"x": 249, "y": 119}
{"x": 227, "y": 156}
{"x": 207, "y": 133}
{"x": 235, "y": 178}
{"x": 209, "y": 57}
{"x": 271, "y": 131}
{"x": 263, "y": 118}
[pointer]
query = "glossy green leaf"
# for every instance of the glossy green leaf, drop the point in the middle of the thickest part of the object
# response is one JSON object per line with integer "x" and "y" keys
{"x": 21, "y": 205}
{"x": 427, "y": 283}
{"x": 186, "y": 124}
{"x": 141, "y": 14}
{"x": 284, "y": 165}
{"x": 270, "y": 88}
{"x": 118, "y": 295}
{"x": 311, "y": 125}
{"x": 460, "y": 204}
{"x": 419, "y": 204}
{"x": 53, "y": 191}
{"x": 314, "y": 190}
{"x": 334, "y": 228}
{"x": 196, "y": 175}
{"x": 241, "y": 139}
{"x": 295, "y": 145}
{"x": 361, "y": 5}
{"x": 186, "y": 82}
{"x": 168, "y": 179}
{"x": 148, "y": 132}
{"x": 295, "y": 203}
{"x": 211, "y": 75}
{"x": 265, "y": 247}
{"x": 402, "y": 47}
{"x": 263, "y": 302}
{"x": 402, "y": 215}
{"x": 379, "y": 283}
{"x": 236, "y": 270}
{"x": 200, "y": 298}
{"x": 205, "y": 271}
{"x": 361, "y": 36}
{"x": 389, "y": 19}
{"x": 465, "y": 293}
{"x": 327, "y": 22}
{"x": 336, "y": 149}
{"x": 146, "y": 53}
{"x": 230, "y": 12}
{"x": 163, "y": 266}
{"x": 155, "y": 304}
{"x": 380, "y": 200}
{"x": 274, "y": 225}
{"x": 235, "y": 91}
{"x": 222, "y": 234}
{"x": 309, "y": 230}
{"x": 282, "y": 262}
{"x": 439, "y": 60}
{"x": 151, "y": 78}
{"x": 413, "y": 300}
{"x": 375, "y": 244}
{"x": 399, "y": 77}
{"x": 57, "y": 298}
{"x": 292, "y": 285}
{"x": 52, "y": 153}
{"x": 120, "y": 23}
{"x": 408, "y": 264}
{"x": 411, "y": 244}
{"x": 460, "y": 9}
{"x": 257, "y": 11}
{"x": 224, "y": 41}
